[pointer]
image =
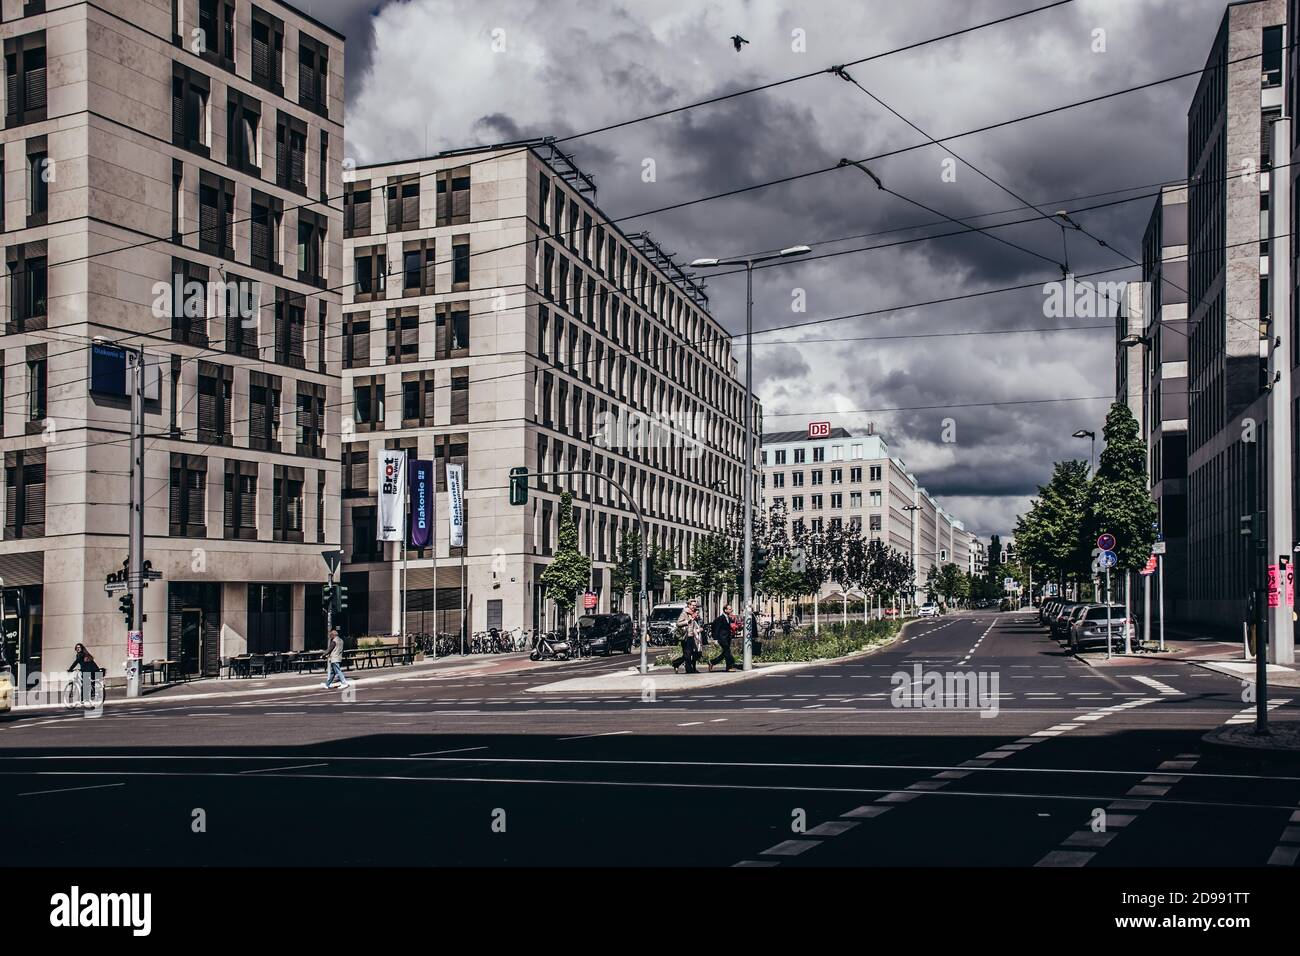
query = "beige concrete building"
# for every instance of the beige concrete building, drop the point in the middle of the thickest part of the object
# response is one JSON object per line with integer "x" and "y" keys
{"x": 853, "y": 480}
{"x": 168, "y": 166}
{"x": 494, "y": 318}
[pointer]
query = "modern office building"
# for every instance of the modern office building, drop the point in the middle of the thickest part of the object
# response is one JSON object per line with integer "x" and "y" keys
{"x": 1164, "y": 412}
{"x": 168, "y": 171}
{"x": 854, "y": 481}
{"x": 494, "y": 318}
{"x": 1240, "y": 93}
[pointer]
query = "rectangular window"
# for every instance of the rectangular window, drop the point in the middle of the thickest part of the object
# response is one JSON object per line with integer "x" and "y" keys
{"x": 240, "y": 500}
{"x": 356, "y": 340}
{"x": 356, "y": 470}
{"x": 855, "y": 499}
{"x": 313, "y": 74}
{"x": 264, "y": 393}
{"x": 459, "y": 396}
{"x": 460, "y": 263}
{"x": 453, "y": 197}
{"x": 189, "y": 303}
{"x": 216, "y": 383}
{"x": 25, "y": 493}
{"x": 311, "y": 419}
{"x": 268, "y": 51}
{"x": 837, "y": 476}
{"x": 311, "y": 247}
{"x": 403, "y": 195}
{"x": 216, "y": 38}
{"x": 28, "y": 286}
{"x": 356, "y": 209}
{"x": 1271, "y": 62}
{"x": 38, "y": 181}
{"x": 417, "y": 399}
{"x": 189, "y": 109}
{"x": 837, "y": 501}
{"x": 37, "y": 382}
{"x": 875, "y": 522}
{"x": 452, "y": 330}
{"x": 216, "y": 215}
{"x": 855, "y": 475}
{"x": 800, "y": 456}
{"x": 291, "y": 153}
{"x": 25, "y": 79}
{"x": 875, "y": 499}
{"x": 286, "y": 509}
{"x": 368, "y": 403}
{"x": 188, "y": 499}
{"x": 290, "y": 321}
{"x": 780, "y": 456}
{"x": 264, "y": 232}
{"x": 796, "y": 503}
{"x": 370, "y": 270}
{"x": 816, "y": 476}
{"x": 418, "y": 267}
{"x": 403, "y": 336}
{"x": 243, "y": 119}
{"x": 239, "y": 308}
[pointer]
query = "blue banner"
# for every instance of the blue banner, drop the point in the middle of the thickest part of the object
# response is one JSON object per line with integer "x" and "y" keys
{"x": 420, "y": 483}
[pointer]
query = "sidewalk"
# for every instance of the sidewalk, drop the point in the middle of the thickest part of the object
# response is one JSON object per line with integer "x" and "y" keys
{"x": 215, "y": 688}
{"x": 1204, "y": 651}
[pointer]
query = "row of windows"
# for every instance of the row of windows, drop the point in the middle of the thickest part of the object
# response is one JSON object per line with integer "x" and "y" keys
{"x": 214, "y": 40}
{"x": 817, "y": 476}
{"x": 188, "y": 505}
{"x": 817, "y": 503}
{"x": 566, "y": 408}
{"x": 418, "y": 399}
{"x": 401, "y": 202}
{"x": 799, "y": 456}
{"x": 418, "y": 269}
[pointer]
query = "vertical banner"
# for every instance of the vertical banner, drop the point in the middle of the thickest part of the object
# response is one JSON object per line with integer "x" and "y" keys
{"x": 420, "y": 481}
{"x": 456, "y": 504}
{"x": 392, "y": 494}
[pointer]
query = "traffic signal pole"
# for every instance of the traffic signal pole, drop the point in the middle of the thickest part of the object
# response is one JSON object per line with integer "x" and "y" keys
{"x": 522, "y": 474}
{"x": 135, "y": 537}
{"x": 1281, "y": 632}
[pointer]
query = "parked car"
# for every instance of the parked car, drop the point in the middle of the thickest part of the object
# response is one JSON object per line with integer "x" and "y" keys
{"x": 1046, "y": 610}
{"x": 606, "y": 633}
{"x": 1089, "y": 625}
{"x": 659, "y": 626}
{"x": 1059, "y": 622}
{"x": 929, "y": 610}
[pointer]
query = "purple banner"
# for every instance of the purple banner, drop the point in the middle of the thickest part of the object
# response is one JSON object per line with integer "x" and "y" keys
{"x": 420, "y": 494}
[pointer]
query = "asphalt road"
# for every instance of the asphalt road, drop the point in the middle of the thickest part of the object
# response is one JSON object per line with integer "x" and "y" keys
{"x": 1076, "y": 766}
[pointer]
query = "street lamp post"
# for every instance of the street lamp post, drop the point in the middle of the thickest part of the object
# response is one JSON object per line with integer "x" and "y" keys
{"x": 1084, "y": 433}
{"x": 749, "y": 263}
{"x": 911, "y": 545}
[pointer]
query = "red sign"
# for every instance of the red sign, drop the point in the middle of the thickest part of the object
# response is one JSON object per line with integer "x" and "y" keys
{"x": 1274, "y": 578}
{"x": 134, "y": 645}
{"x": 1290, "y": 586}
{"x": 1151, "y": 566}
{"x": 589, "y": 600}
{"x": 819, "y": 429}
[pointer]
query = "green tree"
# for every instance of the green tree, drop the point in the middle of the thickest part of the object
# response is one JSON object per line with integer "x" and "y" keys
{"x": 570, "y": 569}
{"x": 713, "y": 567}
{"x": 1121, "y": 503}
{"x": 626, "y": 574}
{"x": 1054, "y": 534}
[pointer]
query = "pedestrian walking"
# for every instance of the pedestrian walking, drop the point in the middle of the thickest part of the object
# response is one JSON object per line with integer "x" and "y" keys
{"x": 688, "y": 629}
{"x": 335, "y": 658}
{"x": 723, "y": 628}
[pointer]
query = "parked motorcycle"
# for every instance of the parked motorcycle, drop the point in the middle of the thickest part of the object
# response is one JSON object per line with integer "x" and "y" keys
{"x": 552, "y": 646}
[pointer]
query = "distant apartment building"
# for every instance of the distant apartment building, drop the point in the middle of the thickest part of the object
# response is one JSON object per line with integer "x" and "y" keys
{"x": 494, "y": 318}
{"x": 1239, "y": 95}
{"x": 976, "y": 556}
{"x": 168, "y": 170}
{"x": 853, "y": 481}
{"x": 1164, "y": 354}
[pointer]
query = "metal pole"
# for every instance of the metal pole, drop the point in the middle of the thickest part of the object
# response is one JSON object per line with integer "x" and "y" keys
{"x": 135, "y": 540}
{"x": 464, "y": 628}
{"x": 640, "y": 601}
{"x": 1108, "y": 645}
{"x": 1281, "y": 632}
{"x": 748, "y": 476}
{"x": 1128, "y": 614}
{"x": 1160, "y": 573}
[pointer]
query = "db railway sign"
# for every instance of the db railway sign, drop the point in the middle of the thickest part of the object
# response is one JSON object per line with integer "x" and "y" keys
{"x": 819, "y": 429}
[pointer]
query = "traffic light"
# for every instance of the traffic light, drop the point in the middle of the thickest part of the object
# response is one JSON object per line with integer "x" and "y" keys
{"x": 519, "y": 486}
{"x": 126, "y": 604}
{"x": 759, "y": 562}
{"x": 326, "y": 596}
{"x": 340, "y": 599}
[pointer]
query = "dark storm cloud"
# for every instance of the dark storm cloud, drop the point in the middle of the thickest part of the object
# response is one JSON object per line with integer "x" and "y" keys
{"x": 580, "y": 65}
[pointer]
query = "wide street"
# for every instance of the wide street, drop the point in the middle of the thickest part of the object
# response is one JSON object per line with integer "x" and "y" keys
{"x": 1078, "y": 766}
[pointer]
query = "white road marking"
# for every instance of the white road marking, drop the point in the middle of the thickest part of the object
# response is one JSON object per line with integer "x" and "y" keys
{"x": 97, "y": 786}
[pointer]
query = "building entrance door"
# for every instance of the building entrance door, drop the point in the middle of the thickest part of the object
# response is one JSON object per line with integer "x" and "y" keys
{"x": 191, "y": 661}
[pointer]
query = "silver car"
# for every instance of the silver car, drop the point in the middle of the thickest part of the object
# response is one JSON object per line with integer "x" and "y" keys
{"x": 1089, "y": 626}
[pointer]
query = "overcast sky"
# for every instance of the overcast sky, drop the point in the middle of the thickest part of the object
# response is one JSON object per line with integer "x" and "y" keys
{"x": 423, "y": 76}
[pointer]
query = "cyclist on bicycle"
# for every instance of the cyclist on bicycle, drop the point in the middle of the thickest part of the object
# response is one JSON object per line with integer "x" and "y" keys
{"x": 84, "y": 661}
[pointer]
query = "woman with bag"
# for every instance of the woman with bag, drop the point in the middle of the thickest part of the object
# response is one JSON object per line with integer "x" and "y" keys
{"x": 688, "y": 630}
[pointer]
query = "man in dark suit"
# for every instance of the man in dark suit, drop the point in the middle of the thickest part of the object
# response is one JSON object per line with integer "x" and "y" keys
{"x": 722, "y": 634}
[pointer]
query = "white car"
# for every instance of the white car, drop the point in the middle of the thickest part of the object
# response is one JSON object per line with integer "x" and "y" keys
{"x": 929, "y": 610}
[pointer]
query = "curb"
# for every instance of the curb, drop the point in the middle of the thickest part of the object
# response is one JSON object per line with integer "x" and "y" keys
{"x": 1242, "y": 739}
{"x": 760, "y": 671}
